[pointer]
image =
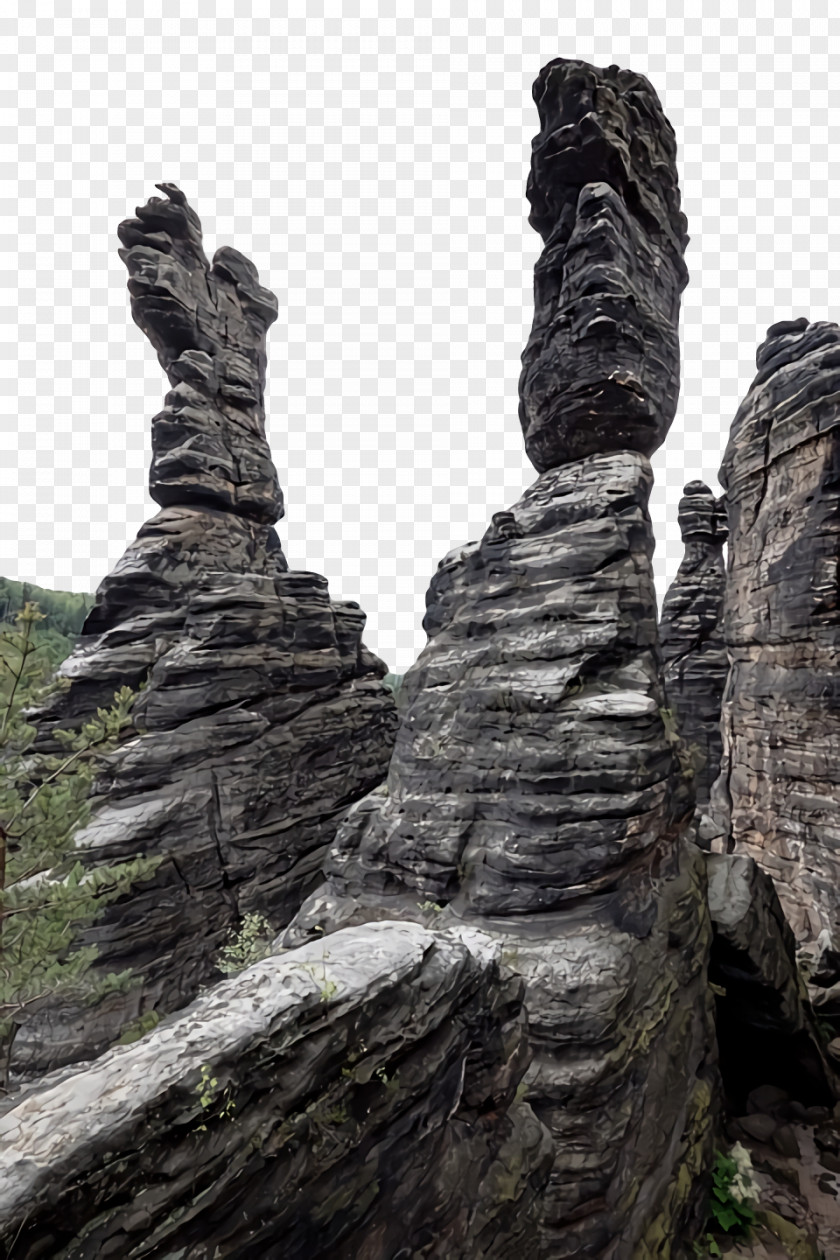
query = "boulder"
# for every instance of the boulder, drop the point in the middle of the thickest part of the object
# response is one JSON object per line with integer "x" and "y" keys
{"x": 352, "y": 1100}
{"x": 600, "y": 371}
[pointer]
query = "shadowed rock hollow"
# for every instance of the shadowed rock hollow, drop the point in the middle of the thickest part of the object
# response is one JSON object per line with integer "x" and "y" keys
{"x": 264, "y": 715}
{"x": 535, "y": 788}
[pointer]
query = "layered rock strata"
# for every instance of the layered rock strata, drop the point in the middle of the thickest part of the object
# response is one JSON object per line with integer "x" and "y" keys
{"x": 263, "y": 714}
{"x": 352, "y": 1100}
{"x": 778, "y": 792}
{"x": 692, "y": 638}
{"x": 535, "y": 787}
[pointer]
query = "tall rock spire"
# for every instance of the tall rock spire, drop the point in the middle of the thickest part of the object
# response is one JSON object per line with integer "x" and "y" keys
{"x": 535, "y": 788}
{"x": 208, "y": 325}
{"x": 691, "y": 631}
{"x": 262, "y": 713}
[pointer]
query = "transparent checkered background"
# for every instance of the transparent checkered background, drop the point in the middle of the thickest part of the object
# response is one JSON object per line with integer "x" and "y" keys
{"x": 372, "y": 161}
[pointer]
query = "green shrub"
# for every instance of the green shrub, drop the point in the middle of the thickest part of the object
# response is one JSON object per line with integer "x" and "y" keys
{"x": 46, "y": 894}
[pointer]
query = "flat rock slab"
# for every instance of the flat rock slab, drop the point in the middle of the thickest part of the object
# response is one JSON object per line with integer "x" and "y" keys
{"x": 354, "y": 1098}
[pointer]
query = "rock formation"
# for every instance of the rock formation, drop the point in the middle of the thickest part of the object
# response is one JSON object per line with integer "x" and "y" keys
{"x": 264, "y": 715}
{"x": 778, "y": 792}
{"x": 351, "y": 1101}
{"x": 691, "y": 634}
{"x": 535, "y": 788}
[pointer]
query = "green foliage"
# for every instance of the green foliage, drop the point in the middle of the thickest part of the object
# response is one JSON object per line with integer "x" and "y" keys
{"x": 430, "y": 905}
{"x": 690, "y": 756}
{"x": 46, "y": 894}
{"x": 206, "y": 1090}
{"x": 247, "y": 946}
{"x": 65, "y": 610}
{"x": 50, "y": 635}
{"x": 328, "y": 987}
{"x": 394, "y": 681}
{"x": 733, "y": 1193}
{"x": 206, "y": 1086}
{"x": 139, "y": 1028}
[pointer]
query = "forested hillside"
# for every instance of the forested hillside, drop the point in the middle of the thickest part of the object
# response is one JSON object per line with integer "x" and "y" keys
{"x": 64, "y": 613}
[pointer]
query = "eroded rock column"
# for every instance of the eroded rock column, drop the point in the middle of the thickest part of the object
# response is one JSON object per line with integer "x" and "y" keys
{"x": 535, "y": 787}
{"x": 691, "y": 633}
{"x": 263, "y": 714}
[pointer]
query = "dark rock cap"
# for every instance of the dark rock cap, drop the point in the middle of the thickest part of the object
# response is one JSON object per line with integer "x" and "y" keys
{"x": 601, "y": 369}
{"x": 603, "y": 124}
{"x": 702, "y": 516}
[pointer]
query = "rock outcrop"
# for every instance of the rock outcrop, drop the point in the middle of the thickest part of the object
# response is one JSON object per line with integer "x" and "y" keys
{"x": 350, "y": 1101}
{"x": 263, "y": 715}
{"x": 778, "y": 793}
{"x": 535, "y": 788}
{"x": 691, "y": 634}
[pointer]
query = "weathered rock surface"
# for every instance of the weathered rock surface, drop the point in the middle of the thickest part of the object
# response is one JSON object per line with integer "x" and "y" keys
{"x": 352, "y": 1100}
{"x": 601, "y": 368}
{"x": 558, "y": 831}
{"x": 264, "y": 714}
{"x": 691, "y": 634}
{"x": 535, "y": 788}
{"x": 779, "y": 788}
{"x": 767, "y": 1034}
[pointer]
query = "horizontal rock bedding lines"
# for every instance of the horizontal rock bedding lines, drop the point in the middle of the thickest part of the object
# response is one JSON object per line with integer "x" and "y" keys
{"x": 692, "y": 638}
{"x": 780, "y": 773}
{"x": 262, "y": 714}
{"x": 600, "y": 371}
{"x": 535, "y": 788}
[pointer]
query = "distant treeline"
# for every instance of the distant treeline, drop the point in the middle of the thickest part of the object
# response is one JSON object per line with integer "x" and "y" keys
{"x": 66, "y": 611}
{"x": 64, "y": 614}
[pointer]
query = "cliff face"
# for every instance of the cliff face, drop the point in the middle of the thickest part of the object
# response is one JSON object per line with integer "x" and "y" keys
{"x": 535, "y": 787}
{"x": 691, "y": 633}
{"x": 779, "y": 786}
{"x": 351, "y": 1101}
{"x": 263, "y": 714}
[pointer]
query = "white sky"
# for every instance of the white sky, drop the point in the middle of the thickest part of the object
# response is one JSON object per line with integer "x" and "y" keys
{"x": 373, "y": 167}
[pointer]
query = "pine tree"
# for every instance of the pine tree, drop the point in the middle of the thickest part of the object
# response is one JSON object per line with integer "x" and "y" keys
{"x": 46, "y": 894}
